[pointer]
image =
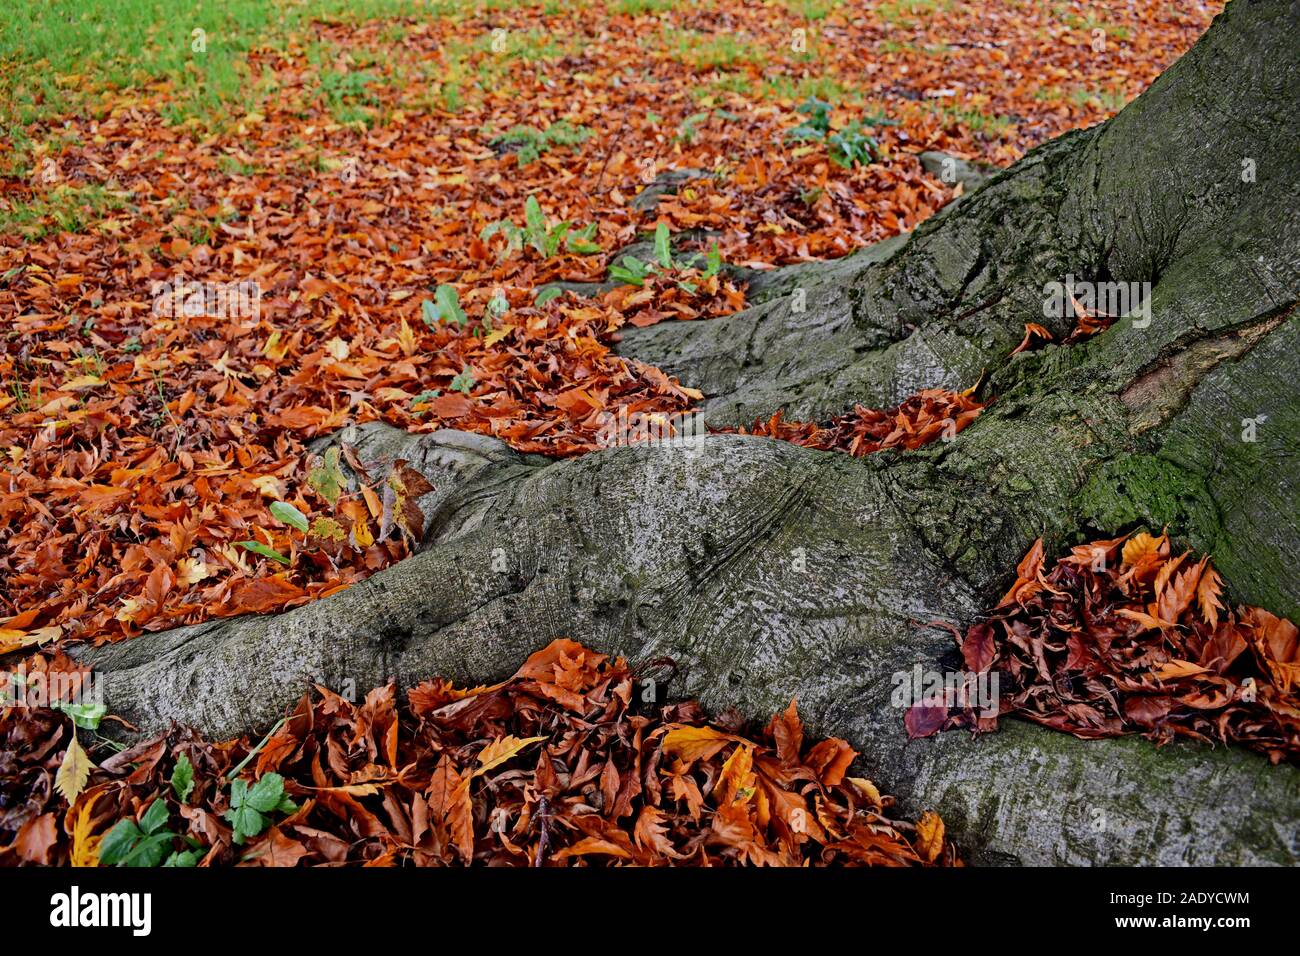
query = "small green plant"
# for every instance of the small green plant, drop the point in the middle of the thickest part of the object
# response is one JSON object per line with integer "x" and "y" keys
{"x": 84, "y": 716}
{"x": 713, "y": 50}
{"x": 182, "y": 778}
{"x": 22, "y": 396}
{"x": 146, "y": 843}
{"x": 453, "y": 101}
{"x": 546, "y": 240}
{"x": 233, "y": 166}
{"x": 251, "y": 807}
{"x": 975, "y": 120}
{"x": 712, "y": 261}
{"x": 529, "y": 143}
{"x": 265, "y": 550}
{"x": 818, "y": 123}
{"x": 690, "y": 127}
{"x": 847, "y": 147}
{"x": 904, "y": 12}
{"x": 424, "y": 398}
{"x": 464, "y": 382}
{"x": 663, "y": 247}
{"x": 636, "y": 7}
{"x": 497, "y": 308}
{"x": 445, "y": 307}
{"x": 852, "y": 146}
{"x": 632, "y": 271}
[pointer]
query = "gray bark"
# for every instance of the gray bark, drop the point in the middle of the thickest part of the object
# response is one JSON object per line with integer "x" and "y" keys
{"x": 769, "y": 571}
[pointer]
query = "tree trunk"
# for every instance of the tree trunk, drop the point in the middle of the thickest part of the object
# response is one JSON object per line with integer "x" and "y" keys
{"x": 767, "y": 570}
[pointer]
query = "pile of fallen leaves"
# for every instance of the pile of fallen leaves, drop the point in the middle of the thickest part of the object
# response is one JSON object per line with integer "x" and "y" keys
{"x": 1119, "y": 637}
{"x": 930, "y": 414}
{"x": 569, "y": 762}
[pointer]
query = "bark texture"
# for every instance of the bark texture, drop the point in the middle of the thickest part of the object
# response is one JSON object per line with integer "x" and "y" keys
{"x": 768, "y": 571}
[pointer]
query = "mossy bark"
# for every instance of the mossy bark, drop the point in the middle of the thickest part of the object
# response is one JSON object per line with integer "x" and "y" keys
{"x": 769, "y": 571}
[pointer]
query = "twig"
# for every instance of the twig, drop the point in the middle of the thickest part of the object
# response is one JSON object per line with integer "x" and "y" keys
{"x": 543, "y": 814}
{"x": 618, "y": 135}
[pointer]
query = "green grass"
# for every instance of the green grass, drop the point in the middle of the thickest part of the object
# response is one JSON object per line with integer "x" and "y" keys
{"x": 826, "y": 88}
{"x": 712, "y": 50}
{"x": 530, "y": 143}
{"x": 908, "y": 12}
{"x": 978, "y": 122}
{"x": 60, "y": 56}
{"x": 527, "y": 45}
{"x": 1113, "y": 99}
{"x": 347, "y": 97}
{"x": 233, "y": 166}
{"x": 360, "y": 11}
{"x": 54, "y": 52}
{"x": 62, "y": 209}
{"x": 638, "y": 7}
{"x": 1090, "y": 23}
{"x": 811, "y": 9}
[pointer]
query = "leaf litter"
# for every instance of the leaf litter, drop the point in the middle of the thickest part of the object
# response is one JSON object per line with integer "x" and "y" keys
{"x": 570, "y": 762}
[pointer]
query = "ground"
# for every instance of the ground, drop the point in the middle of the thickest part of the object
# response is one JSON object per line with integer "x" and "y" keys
{"x": 394, "y": 328}
{"x": 347, "y": 156}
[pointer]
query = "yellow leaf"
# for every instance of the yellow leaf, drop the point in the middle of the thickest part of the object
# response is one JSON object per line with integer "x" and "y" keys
{"x": 695, "y": 743}
{"x": 80, "y": 382}
{"x": 12, "y": 640}
{"x": 73, "y": 772}
{"x": 191, "y": 570}
{"x": 361, "y": 534}
{"x": 269, "y": 486}
{"x": 406, "y": 339}
{"x": 274, "y": 349}
{"x": 496, "y": 335}
{"x": 85, "y": 848}
{"x": 736, "y": 782}
{"x": 592, "y": 845}
{"x": 499, "y": 751}
{"x": 1138, "y": 545}
{"x": 130, "y": 607}
{"x": 929, "y": 836}
{"x": 866, "y": 788}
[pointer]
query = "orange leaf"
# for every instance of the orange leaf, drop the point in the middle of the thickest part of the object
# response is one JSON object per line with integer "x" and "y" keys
{"x": 929, "y": 836}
